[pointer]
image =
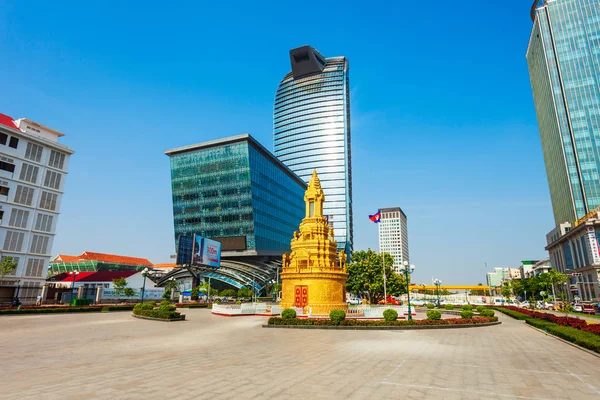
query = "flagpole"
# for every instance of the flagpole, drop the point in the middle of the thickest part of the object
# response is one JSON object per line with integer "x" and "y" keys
{"x": 382, "y": 262}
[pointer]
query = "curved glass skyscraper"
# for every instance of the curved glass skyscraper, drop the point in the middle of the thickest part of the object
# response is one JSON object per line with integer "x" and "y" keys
{"x": 311, "y": 121}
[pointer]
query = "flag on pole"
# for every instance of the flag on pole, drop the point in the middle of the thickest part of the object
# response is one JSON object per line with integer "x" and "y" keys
{"x": 375, "y": 217}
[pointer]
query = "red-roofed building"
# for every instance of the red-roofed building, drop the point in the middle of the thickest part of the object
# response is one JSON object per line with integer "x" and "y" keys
{"x": 94, "y": 262}
{"x": 5, "y": 120}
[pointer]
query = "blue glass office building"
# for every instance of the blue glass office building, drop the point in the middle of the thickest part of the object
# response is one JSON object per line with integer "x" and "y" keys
{"x": 311, "y": 121}
{"x": 563, "y": 57}
{"x": 235, "y": 191}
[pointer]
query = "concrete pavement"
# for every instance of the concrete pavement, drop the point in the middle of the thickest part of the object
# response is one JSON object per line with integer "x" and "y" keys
{"x": 114, "y": 356}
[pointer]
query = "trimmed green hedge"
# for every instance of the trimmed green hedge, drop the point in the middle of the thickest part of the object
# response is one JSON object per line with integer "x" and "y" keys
{"x": 514, "y": 314}
{"x": 117, "y": 308}
{"x": 50, "y": 310}
{"x": 159, "y": 313}
{"x": 466, "y": 314}
{"x": 390, "y": 315}
{"x": 585, "y": 339}
{"x": 363, "y": 322}
{"x": 337, "y": 315}
{"x": 434, "y": 315}
{"x": 288, "y": 313}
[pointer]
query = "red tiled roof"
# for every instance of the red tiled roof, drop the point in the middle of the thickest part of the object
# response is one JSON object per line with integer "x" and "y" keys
{"x": 100, "y": 276}
{"x": 108, "y": 258}
{"x": 7, "y": 121}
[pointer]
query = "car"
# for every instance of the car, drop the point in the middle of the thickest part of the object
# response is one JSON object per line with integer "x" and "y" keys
{"x": 589, "y": 309}
{"x": 354, "y": 301}
{"x": 417, "y": 302}
{"x": 578, "y": 307}
{"x": 549, "y": 306}
{"x": 525, "y": 304}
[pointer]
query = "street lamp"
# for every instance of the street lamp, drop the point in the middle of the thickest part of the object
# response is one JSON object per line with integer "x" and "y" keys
{"x": 437, "y": 284}
{"x": 408, "y": 269}
{"x": 171, "y": 285}
{"x": 144, "y": 274}
{"x": 74, "y": 273}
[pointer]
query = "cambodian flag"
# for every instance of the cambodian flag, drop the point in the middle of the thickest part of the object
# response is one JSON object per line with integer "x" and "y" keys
{"x": 375, "y": 217}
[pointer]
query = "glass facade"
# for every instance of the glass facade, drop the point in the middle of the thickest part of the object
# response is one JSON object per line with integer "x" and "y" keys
{"x": 235, "y": 188}
{"x": 564, "y": 66}
{"x": 311, "y": 121}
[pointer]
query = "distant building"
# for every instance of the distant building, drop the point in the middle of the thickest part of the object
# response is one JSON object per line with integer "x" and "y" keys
{"x": 393, "y": 235}
{"x": 514, "y": 273}
{"x": 541, "y": 267}
{"x": 33, "y": 170}
{"x": 235, "y": 191}
{"x": 497, "y": 277}
{"x": 527, "y": 267}
{"x": 311, "y": 126}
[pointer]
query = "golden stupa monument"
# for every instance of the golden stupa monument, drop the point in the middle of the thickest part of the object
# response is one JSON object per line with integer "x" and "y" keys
{"x": 313, "y": 275}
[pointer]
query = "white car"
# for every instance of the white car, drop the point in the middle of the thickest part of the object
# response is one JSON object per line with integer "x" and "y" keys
{"x": 524, "y": 304}
{"x": 417, "y": 302}
{"x": 354, "y": 301}
{"x": 577, "y": 307}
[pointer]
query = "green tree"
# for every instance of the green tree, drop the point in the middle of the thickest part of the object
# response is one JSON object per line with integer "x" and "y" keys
{"x": 517, "y": 287}
{"x": 506, "y": 290}
{"x": 244, "y": 292}
{"x": 119, "y": 285}
{"x": 7, "y": 265}
{"x": 128, "y": 292}
{"x": 365, "y": 276}
{"x": 167, "y": 294}
{"x": 478, "y": 292}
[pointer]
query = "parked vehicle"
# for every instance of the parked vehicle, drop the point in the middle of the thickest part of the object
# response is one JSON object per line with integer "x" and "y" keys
{"x": 417, "y": 302}
{"x": 549, "y": 306}
{"x": 524, "y": 304}
{"x": 589, "y": 309}
{"x": 354, "y": 301}
{"x": 578, "y": 307}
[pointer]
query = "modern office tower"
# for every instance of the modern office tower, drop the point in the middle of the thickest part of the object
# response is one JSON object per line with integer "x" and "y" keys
{"x": 235, "y": 191}
{"x": 33, "y": 168}
{"x": 564, "y": 70}
{"x": 393, "y": 235}
{"x": 311, "y": 123}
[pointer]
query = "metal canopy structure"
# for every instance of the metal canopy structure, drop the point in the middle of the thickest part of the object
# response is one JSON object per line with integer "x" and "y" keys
{"x": 449, "y": 288}
{"x": 239, "y": 272}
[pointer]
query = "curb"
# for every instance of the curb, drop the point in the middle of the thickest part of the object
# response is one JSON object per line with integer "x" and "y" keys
{"x": 182, "y": 318}
{"x": 381, "y": 328}
{"x": 563, "y": 340}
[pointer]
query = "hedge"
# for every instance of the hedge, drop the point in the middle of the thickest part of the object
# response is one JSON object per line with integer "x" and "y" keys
{"x": 50, "y": 310}
{"x": 362, "y": 322}
{"x": 585, "y": 339}
{"x": 159, "y": 313}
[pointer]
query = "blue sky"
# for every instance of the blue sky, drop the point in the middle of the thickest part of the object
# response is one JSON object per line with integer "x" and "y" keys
{"x": 443, "y": 123}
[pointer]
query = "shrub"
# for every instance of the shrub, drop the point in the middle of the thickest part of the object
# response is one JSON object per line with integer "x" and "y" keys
{"x": 466, "y": 314}
{"x": 288, "y": 313}
{"x": 449, "y": 306}
{"x": 164, "y": 302}
{"x": 166, "y": 307}
{"x": 430, "y": 306}
{"x": 390, "y": 315}
{"x": 337, "y": 315}
{"x": 467, "y": 307}
{"x": 585, "y": 339}
{"x": 359, "y": 322}
{"x": 434, "y": 315}
{"x": 480, "y": 308}
{"x": 167, "y": 294}
{"x": 486, "y": 313}
{"x": 161, "y": 314}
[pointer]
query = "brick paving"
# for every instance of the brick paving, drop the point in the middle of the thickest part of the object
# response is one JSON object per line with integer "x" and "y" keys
{"x": 114, "y": 356}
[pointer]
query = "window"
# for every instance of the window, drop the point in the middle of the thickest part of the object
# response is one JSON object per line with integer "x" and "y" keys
{"x": 13, "y": 241}
{"x": 311, "y": 209}
{"x": 4, "y": 190}
{"x": 29, "y": 173}
{"x": 1, "y": 214}
{"x": 3, "y": 138}
{"x": 14, "y": 142}
{"x": 24, "y": 195}
{"x": 18, "y": 218}
{"x": 52, "y": 179}
{"x": 44, "y": 223}
{"x": 35, "y": 267}
{"x": 7, "y": 166}
{"x": 57, "y": 160}
{"x": 33, "y": 152}
{"x": 48, "y": 201}
{"x": 39, "y": 244}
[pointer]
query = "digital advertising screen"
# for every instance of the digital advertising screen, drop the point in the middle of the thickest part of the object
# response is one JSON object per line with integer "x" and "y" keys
{"x": 184, "y": 250}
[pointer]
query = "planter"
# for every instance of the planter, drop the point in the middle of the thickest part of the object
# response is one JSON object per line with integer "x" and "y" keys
{"x": 182, "y": 318}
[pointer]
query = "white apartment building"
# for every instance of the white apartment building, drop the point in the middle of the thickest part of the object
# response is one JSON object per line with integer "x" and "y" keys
{"x": 393, "y": 235}
{"x": 33, "y": 168}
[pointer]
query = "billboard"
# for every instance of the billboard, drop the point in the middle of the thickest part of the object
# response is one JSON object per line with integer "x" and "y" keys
{"x": 185, "y": 247}
{"x": 206, "y": 252}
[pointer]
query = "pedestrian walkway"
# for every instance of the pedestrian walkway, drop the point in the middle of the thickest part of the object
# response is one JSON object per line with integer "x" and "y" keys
{"x": 114, "y": 356}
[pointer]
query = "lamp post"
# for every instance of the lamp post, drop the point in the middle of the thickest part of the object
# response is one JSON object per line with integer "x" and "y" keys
{"x": 437, "y": 284}
{"x": 408, "y": 269}
{"x": 171, "y": 284}
{"x": 74, "y": 273}
{"x": 144, "y": 274}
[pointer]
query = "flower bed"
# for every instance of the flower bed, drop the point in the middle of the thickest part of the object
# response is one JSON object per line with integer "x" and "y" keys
{"x": 570, "y": 322}
{"x": 362, "y": 322}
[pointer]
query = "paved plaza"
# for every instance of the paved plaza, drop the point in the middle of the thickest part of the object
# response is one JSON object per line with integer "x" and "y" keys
{"x": 114, "y": 356}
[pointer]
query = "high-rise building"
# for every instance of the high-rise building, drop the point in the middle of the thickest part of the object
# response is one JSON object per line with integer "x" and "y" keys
{"x": 235, "y": 191}
{"x": 564, "y": 69}
{"x": 393, "y": 235}
{"x": 311, "y": 123}
{"x": 33, "y": 168}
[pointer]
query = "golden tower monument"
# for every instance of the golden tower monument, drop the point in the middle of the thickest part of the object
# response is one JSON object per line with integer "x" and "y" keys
{"x": 313, "y": 276}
